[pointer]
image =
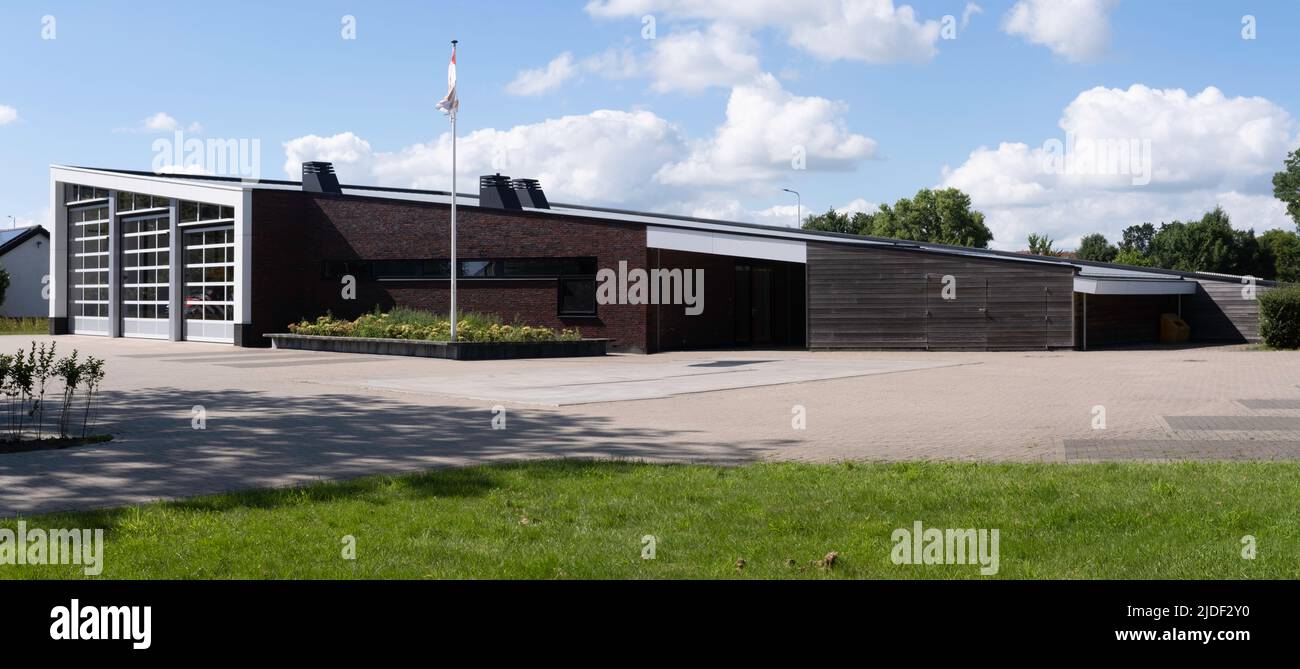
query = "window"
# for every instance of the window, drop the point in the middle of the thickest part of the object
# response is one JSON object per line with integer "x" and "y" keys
{"x": 577, "y": 296}
{"x": 138, "y": 201}
{"x": 408, "y": 270}
{"x": 75, "y": 193}
{"x": 201, "y": 212}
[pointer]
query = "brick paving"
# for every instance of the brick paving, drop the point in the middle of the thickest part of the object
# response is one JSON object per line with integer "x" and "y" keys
{"x": 277, "y": 418}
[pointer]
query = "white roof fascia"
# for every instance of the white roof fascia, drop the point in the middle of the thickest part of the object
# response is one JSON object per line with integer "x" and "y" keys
{"x": 1100, "y": 286}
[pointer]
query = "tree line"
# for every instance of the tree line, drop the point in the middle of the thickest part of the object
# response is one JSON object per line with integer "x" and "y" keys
{"x": 1207, "y": 244}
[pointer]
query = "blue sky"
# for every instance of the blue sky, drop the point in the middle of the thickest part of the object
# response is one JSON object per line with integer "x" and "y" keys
{"x": 703, "y": 119}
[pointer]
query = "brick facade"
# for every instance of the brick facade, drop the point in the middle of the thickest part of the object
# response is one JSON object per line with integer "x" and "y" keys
{"x": 294, "y": 232}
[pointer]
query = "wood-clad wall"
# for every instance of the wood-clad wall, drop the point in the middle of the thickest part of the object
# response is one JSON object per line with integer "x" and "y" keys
{"x": 1219, "y": 312}
{"x": 870, "y": 298}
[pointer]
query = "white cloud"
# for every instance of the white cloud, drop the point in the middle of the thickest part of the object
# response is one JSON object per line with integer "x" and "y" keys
{"x": 875, "y": 31}
{"x": 1078, "y": 30}
{"x": 764, "y": 128}
{"x": 688, "y": 61}
{"x": 162, "y": 122}
{"x": 725, "y": 53}
{"x": 350, "y": 154}
{"x": 693, "y": 61}
{"x": 605, "y": 156}
{"x": 612, "y": 63}
{"x": 617, "y": 157}
{"x": 858, "y": 205}
{"x": 8, "y": 114}
{"x": 536, "y": 82}
{"x": 970, "y": 10}
{"x": 1204, "y": 149}
{"x": 782, "y": 214}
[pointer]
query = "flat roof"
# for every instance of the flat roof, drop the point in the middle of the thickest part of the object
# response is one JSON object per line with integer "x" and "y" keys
{"x": 1083, "y": 267}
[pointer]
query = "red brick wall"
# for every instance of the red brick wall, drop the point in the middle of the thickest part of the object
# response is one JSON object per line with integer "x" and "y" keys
{"x": 293, "y": 232}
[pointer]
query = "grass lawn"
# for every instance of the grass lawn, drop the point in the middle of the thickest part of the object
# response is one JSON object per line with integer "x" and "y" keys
{"x": 29, "y": 326}
{"x": 575, "y": 519}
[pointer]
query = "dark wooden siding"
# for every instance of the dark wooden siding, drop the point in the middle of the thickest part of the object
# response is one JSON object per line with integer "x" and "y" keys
{"x": 1218, "y": 312}
{"x": 868, "y": 298}
{"x": 1122, "y": 319}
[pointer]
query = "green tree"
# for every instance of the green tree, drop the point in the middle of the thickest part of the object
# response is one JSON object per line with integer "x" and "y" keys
{"x": 1137, "y": 238}
{"x": 1132, "y": 257}
{"x": 940, "y": 216}
{"x": 1281, "y": 250}
{"x": 1041, "y": 245}
{"x": 1207, "y": 245}
{"x": 1095, "y": 247}
{"x": 1286, "y": 186}
{"x": 831, "y": 221}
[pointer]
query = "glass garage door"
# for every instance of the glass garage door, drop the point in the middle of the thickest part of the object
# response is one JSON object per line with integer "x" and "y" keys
{"x": 210, "y": 284}
{"x": 145, "y": 263}
{"x": 88, "y": 270}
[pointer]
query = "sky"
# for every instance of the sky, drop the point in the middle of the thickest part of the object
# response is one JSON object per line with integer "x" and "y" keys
{"x": 707, "y": 108}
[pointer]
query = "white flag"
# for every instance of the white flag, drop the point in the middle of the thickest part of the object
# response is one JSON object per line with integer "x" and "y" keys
{"x": 451, "y": 103}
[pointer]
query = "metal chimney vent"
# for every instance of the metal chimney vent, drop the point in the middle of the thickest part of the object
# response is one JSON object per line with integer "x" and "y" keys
{"x": 530, "y": 193}
{"x": 494, "y": 192}
{"x": 318, "y": 177}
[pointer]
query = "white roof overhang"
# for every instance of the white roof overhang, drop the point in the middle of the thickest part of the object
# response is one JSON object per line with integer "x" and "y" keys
{"x": 1133, "y": 286}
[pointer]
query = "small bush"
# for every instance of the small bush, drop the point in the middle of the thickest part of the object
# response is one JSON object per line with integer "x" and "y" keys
{"x": 403, "y": 323}
{"x": 1279, "y": 317}
{"x": 24, "y": 378}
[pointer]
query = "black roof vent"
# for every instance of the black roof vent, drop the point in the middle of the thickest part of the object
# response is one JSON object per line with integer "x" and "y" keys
{"x": 530, "y": 193}
{"x": 494, "y": 192}
{"x": 319, "y": 177}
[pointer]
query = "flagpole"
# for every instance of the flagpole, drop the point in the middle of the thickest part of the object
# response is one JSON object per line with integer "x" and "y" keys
{"x": 454, "y": 265}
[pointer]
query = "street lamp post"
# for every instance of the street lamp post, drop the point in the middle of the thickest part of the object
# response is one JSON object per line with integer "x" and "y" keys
{"x": 798, "y": 214}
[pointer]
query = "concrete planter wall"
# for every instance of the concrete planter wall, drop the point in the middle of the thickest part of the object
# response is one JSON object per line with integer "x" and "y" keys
{"x": 441, "y": 349}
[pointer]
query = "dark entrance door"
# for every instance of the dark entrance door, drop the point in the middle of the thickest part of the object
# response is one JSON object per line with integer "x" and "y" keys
{"x": 768, "y": 306}
{"x": 760, "y": 322}
{"x": 743, "y": 315}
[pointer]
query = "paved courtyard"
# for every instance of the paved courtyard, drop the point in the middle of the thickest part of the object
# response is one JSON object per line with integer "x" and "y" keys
{"x": 277, "y": 418}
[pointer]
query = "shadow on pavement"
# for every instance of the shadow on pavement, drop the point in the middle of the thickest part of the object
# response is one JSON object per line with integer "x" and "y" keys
{"x": 253, "y": 440}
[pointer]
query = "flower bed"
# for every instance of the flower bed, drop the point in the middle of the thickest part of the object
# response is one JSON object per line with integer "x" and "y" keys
{"x": 411, "y": 324}
{"x": 418, "y": 333}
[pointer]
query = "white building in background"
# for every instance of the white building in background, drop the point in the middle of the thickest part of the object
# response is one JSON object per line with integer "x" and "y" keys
{"x": 25, "y": 255}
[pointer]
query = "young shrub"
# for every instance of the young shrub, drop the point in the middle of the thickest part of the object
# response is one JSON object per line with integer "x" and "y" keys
{"x": 1279, "y": 317}
{"x": 6, "y": 386}
{"x": 93, "y": 373}
{"x": 44, "y": 370}
{"x": 23, "y": 372}
{"x": 69, "y": 369}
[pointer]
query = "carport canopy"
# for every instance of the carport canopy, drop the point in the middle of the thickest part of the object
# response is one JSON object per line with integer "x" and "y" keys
{"x": 1115, "y": 281}
{"x": 1133, "y": 286}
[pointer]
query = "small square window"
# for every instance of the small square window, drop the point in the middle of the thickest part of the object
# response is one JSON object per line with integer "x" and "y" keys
{"x": 577, "y": 296}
